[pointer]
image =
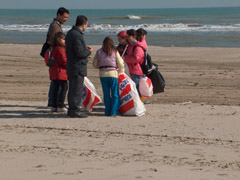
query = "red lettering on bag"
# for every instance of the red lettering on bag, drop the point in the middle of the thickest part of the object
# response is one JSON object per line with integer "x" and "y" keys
{"x": 126, "y": 107}
{"x": 125, "y": 91}
{"x": 149, "y": 82}
{"x": 88, "y": 97}
{"x": 96, "y": 100}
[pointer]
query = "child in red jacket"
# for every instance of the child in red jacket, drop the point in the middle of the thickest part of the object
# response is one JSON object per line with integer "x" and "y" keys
{"x": 58, "y": 73}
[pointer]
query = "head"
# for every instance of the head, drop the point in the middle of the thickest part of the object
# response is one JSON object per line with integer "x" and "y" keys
{"x": 131, "y": 35}
{"x": 82, "y": 22}
{"x": 62, "y": 15}
{"x": 141, "y": 33}
{"x": 122, "y": 37}
{"x": 59, "y": 39}
{"x": 108, "y": 46}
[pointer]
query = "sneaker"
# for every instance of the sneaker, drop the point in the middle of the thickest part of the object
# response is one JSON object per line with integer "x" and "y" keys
{"x": 62, "y": 109}
{"x": 53, "y": 109}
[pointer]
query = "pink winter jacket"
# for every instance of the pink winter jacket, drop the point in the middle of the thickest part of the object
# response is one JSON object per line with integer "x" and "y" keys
{"x": 134, "y": 57}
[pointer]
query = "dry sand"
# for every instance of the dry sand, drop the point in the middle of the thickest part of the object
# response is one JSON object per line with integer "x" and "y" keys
{"x": 190, "y": 132}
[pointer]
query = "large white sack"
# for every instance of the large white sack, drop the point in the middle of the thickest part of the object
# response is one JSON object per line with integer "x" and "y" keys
{"x": 130, "y": 103}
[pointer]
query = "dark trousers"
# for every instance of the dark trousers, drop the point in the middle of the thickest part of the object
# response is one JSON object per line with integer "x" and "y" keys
{"x": 56, "y": 85}
{"x": 75, "y": 93}
{"x": 50, "y": 92}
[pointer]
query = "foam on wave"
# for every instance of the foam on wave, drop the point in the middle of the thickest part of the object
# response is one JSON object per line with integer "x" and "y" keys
{"x": 113, "y": 28}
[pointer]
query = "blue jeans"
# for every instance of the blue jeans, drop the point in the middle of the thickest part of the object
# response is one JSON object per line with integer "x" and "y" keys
{"x": 50, "y": 94}
{"x": 136, "y": 79}
{"x": 111, "y": 95}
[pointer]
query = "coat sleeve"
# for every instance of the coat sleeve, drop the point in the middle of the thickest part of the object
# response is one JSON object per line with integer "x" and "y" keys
{"x": 137, "y": 57}
{"x": 95, "y": 62}
{"x": 62, "y": 58}
{"x": 80, "y": 49}
{"x": 120, "y": 62}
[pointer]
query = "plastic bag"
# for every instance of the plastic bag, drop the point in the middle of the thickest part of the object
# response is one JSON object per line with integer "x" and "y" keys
{"x": 90, "y": 96}
{"x": 130, "y": 103}
{"x": 145, "y": 87}
{"x": 126, "y": 69}
{"x": 158, "y": 80}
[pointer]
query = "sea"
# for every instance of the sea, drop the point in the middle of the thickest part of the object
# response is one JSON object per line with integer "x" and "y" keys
{"x": 179, "y": 27}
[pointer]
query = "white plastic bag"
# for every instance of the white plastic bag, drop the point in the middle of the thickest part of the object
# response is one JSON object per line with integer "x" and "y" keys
{"x": 130, "y": 103}
{"x": 90, "y": 96}
{"x": 126, "y": 69}
{"x": 145, "y": 87}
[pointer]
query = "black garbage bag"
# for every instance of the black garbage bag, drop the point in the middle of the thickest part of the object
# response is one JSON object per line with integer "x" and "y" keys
{"x": 157, "y": 79}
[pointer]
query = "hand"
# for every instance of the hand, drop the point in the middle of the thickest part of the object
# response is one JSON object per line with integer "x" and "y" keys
{"x": 91, "y": 49}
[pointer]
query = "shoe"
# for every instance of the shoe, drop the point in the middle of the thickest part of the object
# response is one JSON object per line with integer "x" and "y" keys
{"x": 77, "y": 115}
{"x": 53, "y": 109}
{"x": 62, "y": 109}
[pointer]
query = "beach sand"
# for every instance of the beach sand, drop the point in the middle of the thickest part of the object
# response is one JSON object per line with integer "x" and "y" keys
{"x": 189, "y": 132}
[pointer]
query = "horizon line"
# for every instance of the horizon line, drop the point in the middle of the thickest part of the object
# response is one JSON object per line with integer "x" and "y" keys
{"x": 123, "y": 8}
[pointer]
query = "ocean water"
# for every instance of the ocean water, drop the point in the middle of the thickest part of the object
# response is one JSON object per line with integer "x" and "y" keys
{"x": 190, "y": 27}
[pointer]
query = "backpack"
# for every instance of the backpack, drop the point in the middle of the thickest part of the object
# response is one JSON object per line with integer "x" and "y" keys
{"x": 49, "y": 60}
{"x": 146, "y": 65}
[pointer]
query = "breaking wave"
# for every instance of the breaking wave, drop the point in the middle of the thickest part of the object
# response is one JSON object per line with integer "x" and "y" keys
{"x": 113, "y": 28}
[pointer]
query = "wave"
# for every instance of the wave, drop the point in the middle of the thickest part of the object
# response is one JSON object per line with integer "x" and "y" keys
{"x": 130, "y": 17}
{"x": 133, "y": 17}
{"x": 113, "y": 28}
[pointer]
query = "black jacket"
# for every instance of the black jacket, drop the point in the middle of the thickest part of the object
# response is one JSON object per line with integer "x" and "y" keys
{"x": 77, "y": 53}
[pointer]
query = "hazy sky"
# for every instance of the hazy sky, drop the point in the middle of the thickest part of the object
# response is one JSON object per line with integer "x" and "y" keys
{"x": 99, "y": 4}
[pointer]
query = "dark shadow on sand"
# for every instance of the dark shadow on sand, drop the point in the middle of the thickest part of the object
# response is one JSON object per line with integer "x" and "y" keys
{"x": 41, "y": 112}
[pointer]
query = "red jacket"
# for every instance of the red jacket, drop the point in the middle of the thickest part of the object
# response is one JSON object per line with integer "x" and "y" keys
{"x": 58, "y": 70}
{"x": 134, "y": 57}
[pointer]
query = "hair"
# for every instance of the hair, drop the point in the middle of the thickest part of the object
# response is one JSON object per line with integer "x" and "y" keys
{"x": 81, "y": 20}
{"x": 108, "y": 46}
{"x": 58, "y": 35}
{"x": 131, "y": 32}
{"x": 140, "y": 33}
{"x": 62, "y": 10}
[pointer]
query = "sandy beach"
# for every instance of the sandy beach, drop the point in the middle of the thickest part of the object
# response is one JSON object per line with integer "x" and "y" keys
{"x": 189, "y": 132}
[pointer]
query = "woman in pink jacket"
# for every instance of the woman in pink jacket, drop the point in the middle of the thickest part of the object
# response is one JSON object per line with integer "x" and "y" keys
{"x": 134, "y": 57}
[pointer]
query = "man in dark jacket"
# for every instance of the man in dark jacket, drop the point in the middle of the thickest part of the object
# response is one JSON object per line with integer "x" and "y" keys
{"x": 77, "y": 59}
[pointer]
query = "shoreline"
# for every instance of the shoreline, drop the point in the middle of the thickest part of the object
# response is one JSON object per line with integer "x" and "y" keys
{"x": 150, "y": 46}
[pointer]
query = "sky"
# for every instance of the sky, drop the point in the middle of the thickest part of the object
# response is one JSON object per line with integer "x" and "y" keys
{"x": 116, "y": 4}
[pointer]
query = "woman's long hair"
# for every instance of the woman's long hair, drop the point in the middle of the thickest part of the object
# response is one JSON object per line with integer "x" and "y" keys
{"x": 108, "y": 46}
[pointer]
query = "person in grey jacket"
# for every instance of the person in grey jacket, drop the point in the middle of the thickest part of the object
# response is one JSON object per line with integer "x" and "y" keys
{"x": 77, "y": 59}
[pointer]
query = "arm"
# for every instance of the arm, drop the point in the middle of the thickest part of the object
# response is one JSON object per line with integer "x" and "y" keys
{"x": 62, "y": 58}
{"x": 137, "y": 56}
{"x": 95, "y": 62}
{"x": 80, "y": 48}
{"x": 120, "y": 62}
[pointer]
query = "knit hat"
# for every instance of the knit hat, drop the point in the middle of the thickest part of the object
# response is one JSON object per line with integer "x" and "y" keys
{"x": 122, "y": 34}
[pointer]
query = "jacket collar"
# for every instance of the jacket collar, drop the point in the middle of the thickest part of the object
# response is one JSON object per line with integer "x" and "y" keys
{"x": 77, "y": 29}
{"x": 55, "y": 19}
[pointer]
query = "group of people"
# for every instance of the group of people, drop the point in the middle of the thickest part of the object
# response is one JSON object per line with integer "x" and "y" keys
{"x": 72, "y": 53}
